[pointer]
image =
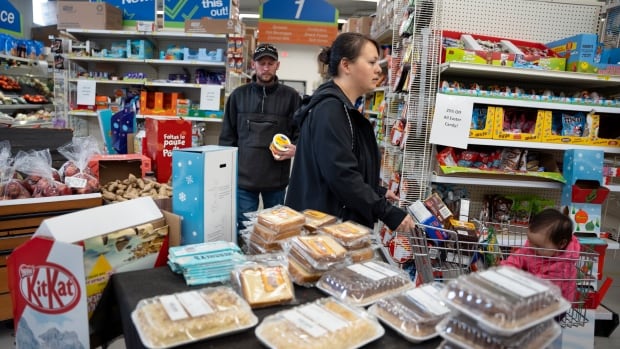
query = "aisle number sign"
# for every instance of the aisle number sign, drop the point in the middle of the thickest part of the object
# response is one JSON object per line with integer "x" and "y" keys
{"x": 306, "y": 22}
{"x": 10, "y": 19}
{"x": 451, "y": 121}
{"x": 134, "y": 10}
{"x": 177, "y": 11}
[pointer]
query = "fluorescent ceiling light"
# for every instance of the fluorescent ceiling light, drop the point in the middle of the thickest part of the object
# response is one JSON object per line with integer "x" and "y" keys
{"x": 249, "y": 15}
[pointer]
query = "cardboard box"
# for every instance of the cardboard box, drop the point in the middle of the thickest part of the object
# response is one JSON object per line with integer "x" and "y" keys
{"x": 110, "y": 167}
{"x": 213, "y": 26}
{"x": 586, "y": 217}
{"x": 474, "y": 53}
{"x": 139, "y": 49}
{"x": 423, "y": 216}
{"x": 162, "y": 137}
{"x": 510, "y": 120}
{"x": 363, "y": 25}
{"x": 89, "y": 15}
{"x": 485, "y": 118}
{"x": 350, "y": 25}
{"x": 159, "y": 103}
{"x": 582, "y": 164}
{"x": 205, "y": 185}
{"x": 552, "y": 128}
{"x": 582, "y": 52}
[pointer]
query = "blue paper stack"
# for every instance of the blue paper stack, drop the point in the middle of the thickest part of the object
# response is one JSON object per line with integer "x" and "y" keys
{"x": 206, "y": 262}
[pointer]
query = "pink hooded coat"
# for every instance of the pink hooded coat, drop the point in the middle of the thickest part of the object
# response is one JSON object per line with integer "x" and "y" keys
{"x": 561, "y": 269}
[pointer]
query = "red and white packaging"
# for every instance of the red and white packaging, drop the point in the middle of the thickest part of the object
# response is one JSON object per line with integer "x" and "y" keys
{"x": 49, "y": 294}
{"x": 162, "y": 136}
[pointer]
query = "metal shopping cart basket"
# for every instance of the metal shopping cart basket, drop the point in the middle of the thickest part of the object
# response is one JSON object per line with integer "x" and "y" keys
{"x": 442, "y": 255}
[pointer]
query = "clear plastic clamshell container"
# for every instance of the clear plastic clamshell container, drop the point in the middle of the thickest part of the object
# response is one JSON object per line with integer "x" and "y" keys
{"x": 349, "y": 234}
{"x": 413, "y": 313}
{"x": 466, "y": 331}
{"x": 268, "y": 235}
{"x": 170, "y": 320}
{"x": 281, "y": 219}
{"x": 325, "y": 323}
{"x": 364, "y": 283}
{"x": 320, "y": 251}
{"x": 316, "y": 219}
{"x": 505, "y": 300}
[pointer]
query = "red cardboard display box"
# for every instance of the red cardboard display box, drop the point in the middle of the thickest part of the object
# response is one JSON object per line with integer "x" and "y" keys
{"x": 163, "y": 136}
{"x": 110, "y": 167}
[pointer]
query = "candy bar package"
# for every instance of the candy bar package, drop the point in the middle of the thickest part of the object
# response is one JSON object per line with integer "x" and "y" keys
{"x": 320, "y": 251}
{"x": 281, "y": 219}
{"x": 264, "y": 280}
{"x": 465, "y": 331}
{"x": 413, "y": 313}
{"x": 171, "y": 320}
{"x": 364, "y": 283}
{"x": 505, "y": 300}
{"x": 324, "y": 323}
{"x": 349, "y": 234}
{"x": 316, "y": 219}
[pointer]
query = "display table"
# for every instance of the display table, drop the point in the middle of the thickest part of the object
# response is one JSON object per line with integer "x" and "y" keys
{"x": 130, "y": 287}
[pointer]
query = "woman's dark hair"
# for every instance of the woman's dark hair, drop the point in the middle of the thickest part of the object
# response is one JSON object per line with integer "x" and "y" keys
{"x": 347, "y": 45}
{"x": 558, "y": 225}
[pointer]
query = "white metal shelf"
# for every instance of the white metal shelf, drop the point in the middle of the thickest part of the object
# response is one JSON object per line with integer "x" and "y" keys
{"x": 28, "y": 61}
{"x": 372, "y": 112}
{"x": 615, "y": 188}
{"x": 141, "y": 82}
{"x": 384, "y": 36}
{"x": 110, "y": 82}
{"x": 25, "y": 106}
{"x": 540, "y": 145}
{"x": 102, "y": 33}
{"x": 496, "y": 182}
{"x": 148, "y": 61}
{"x": 562, "y": 78}
{"x": 86, "y": 113}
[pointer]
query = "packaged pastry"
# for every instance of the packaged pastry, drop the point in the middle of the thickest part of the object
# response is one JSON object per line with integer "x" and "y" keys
{"x": 466, "y": 331}
{"x": 413, "y": 313}
{"x": 504, "y": 299}
{"x": 270, "y": 235}
{"x": 268, "y": 246}
{"x": 185, "y": 317}
{"x": 362, "y": 254}
{"x": 321, "y": 251}
{"x": 281, "y": 219}
{"x": 302, "y": 274}
{"x": 364, "y": 283}
{"x": 263, "y": 284}
{"x": 316, "y": 219}
{"x": 349, "y": 234}
{"x": 325, "y": 323}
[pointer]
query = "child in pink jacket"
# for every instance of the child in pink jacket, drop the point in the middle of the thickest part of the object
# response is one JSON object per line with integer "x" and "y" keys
{"x": 550, "y": 252}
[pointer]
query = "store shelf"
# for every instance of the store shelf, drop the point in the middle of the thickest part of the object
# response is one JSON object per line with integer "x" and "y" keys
{"x": 614, "y": 188}
{"x": 372, "y": 112}
{"x": 533, "y": 76}
{"x": 540, "y": 145}
{"x": 380, "y": 88}
{"x": 82, "y": 113}
{"x": 383, "y": 62}
{"x": 21, "y": 60}
{"x": 184, "y": 63}
{"x": 110, "y": 82}
{"x": 143, "y": 116}
{"x": 105, "y": 59}
{"x": 384, "y": 36}
{"x": 496, "y": 182}
{"x": 102, "y": 33}
{"x": 515, "y": 102}
{"x": 12, "y": 107}
{"x": 172, "y": 84}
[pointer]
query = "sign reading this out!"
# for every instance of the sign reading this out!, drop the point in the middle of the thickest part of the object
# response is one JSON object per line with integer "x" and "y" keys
{"x": 176, "y": 12}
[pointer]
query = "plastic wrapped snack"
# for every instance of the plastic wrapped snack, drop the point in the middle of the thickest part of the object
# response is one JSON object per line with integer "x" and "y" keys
{"x": 325, "y": 323}
{"x": 281, "y": 219}
{"x": 301, "y": 273}
{"x": 413, "y": 313}
{"x": 465, "y": 331}
{"x": 349, "y": 234}
{"x": 504, "y": 299}
{"x": 320, "y": 251}
{"x": 364, "y": 283}
{"x": 268, "y": 246}
{"x": 180, "y": 318}
{"x": 269, "y": 235}
{"x": 362, "y": 254}
{"x": 264, "y": 284}
{"x": 316, "y": 219}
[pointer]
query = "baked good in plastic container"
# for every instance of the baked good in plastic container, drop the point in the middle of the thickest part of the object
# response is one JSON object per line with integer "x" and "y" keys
{"x": 364, "y": 283}
{"x": 185, "y": 317}
{"x": 413, "y": 313}
{"x": 446, "y": 344}
{"x": 349, "y": 234}
{"x": 281, "y": 219}
{"x": 505, "y": 300}
{"x": 268, "y": 246}
{"x": 466, "y": 331}
{"x": 324, "y": 323}
{"x": 316, "y": 219}
{"x": 361, "y": 254}
{"x": 302, "y": 273}
{"x": 270, "y": 235}
{"x": 264, "y": 284}
{"x": 320, "y": 251}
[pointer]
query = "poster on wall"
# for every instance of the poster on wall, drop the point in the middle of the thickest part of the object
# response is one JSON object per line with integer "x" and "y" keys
{"x": 10, "y": 21}
{"x": 177, "y": 11}
{"x": 304, "y": 22}
{"x": 133, "y": 11}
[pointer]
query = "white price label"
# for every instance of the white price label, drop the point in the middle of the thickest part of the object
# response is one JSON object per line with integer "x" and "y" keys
{"x": 75, "y": 182}
{"x": 451, "y": 121}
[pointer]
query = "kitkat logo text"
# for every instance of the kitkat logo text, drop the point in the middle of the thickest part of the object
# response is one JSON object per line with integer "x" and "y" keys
{"x": 48, "y": 288}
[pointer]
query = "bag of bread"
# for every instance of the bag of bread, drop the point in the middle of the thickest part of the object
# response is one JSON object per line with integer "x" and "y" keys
{"x": 264, "y": 280}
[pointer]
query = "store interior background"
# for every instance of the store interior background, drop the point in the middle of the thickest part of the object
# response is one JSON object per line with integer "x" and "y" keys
{"x": 298, "y": 63}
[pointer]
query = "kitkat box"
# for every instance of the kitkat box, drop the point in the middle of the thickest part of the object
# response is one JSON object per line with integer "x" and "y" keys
{"x": 48, "y": 292}
{"x": 162, "y": 136}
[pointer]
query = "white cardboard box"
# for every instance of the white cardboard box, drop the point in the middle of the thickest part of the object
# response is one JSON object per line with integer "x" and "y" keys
{"x": 204, "y": 181}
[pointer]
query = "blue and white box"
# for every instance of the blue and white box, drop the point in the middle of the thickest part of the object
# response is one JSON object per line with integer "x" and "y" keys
{"x": 204, "y": 181}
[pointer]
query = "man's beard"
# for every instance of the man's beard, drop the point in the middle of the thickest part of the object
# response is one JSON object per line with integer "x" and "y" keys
{"x": 269, "y": 80}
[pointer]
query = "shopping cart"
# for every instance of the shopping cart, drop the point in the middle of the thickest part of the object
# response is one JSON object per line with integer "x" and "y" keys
{"x": 443, "y": 255}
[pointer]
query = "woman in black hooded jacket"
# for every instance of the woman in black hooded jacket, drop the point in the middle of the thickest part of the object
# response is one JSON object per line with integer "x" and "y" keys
{"x": 337, "y": 161}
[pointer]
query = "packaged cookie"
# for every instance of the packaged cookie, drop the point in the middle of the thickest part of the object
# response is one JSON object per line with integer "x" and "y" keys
{"x": 281, "y": 219}
{"x": 349, "y": 234}
{"x": 171, "y": 320}
{"x": 325, "y": 323}
{"x": 413, "y": 313}
{"x": 364, "y": 283}
{"x": 466, "y": 331}
{"x": 321, "y": 251}
{"x": 505, "y": 300}
{"x": 265, "y": 282}
{"x": 316, "y": 219}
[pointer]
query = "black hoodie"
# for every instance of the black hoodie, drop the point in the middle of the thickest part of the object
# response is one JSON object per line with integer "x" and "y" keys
{"x": 337, "y": 162}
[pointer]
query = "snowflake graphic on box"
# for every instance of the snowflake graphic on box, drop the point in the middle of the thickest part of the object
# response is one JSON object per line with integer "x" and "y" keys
{"x": 189, "y": 179}
{"x": 182, "y": 197}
